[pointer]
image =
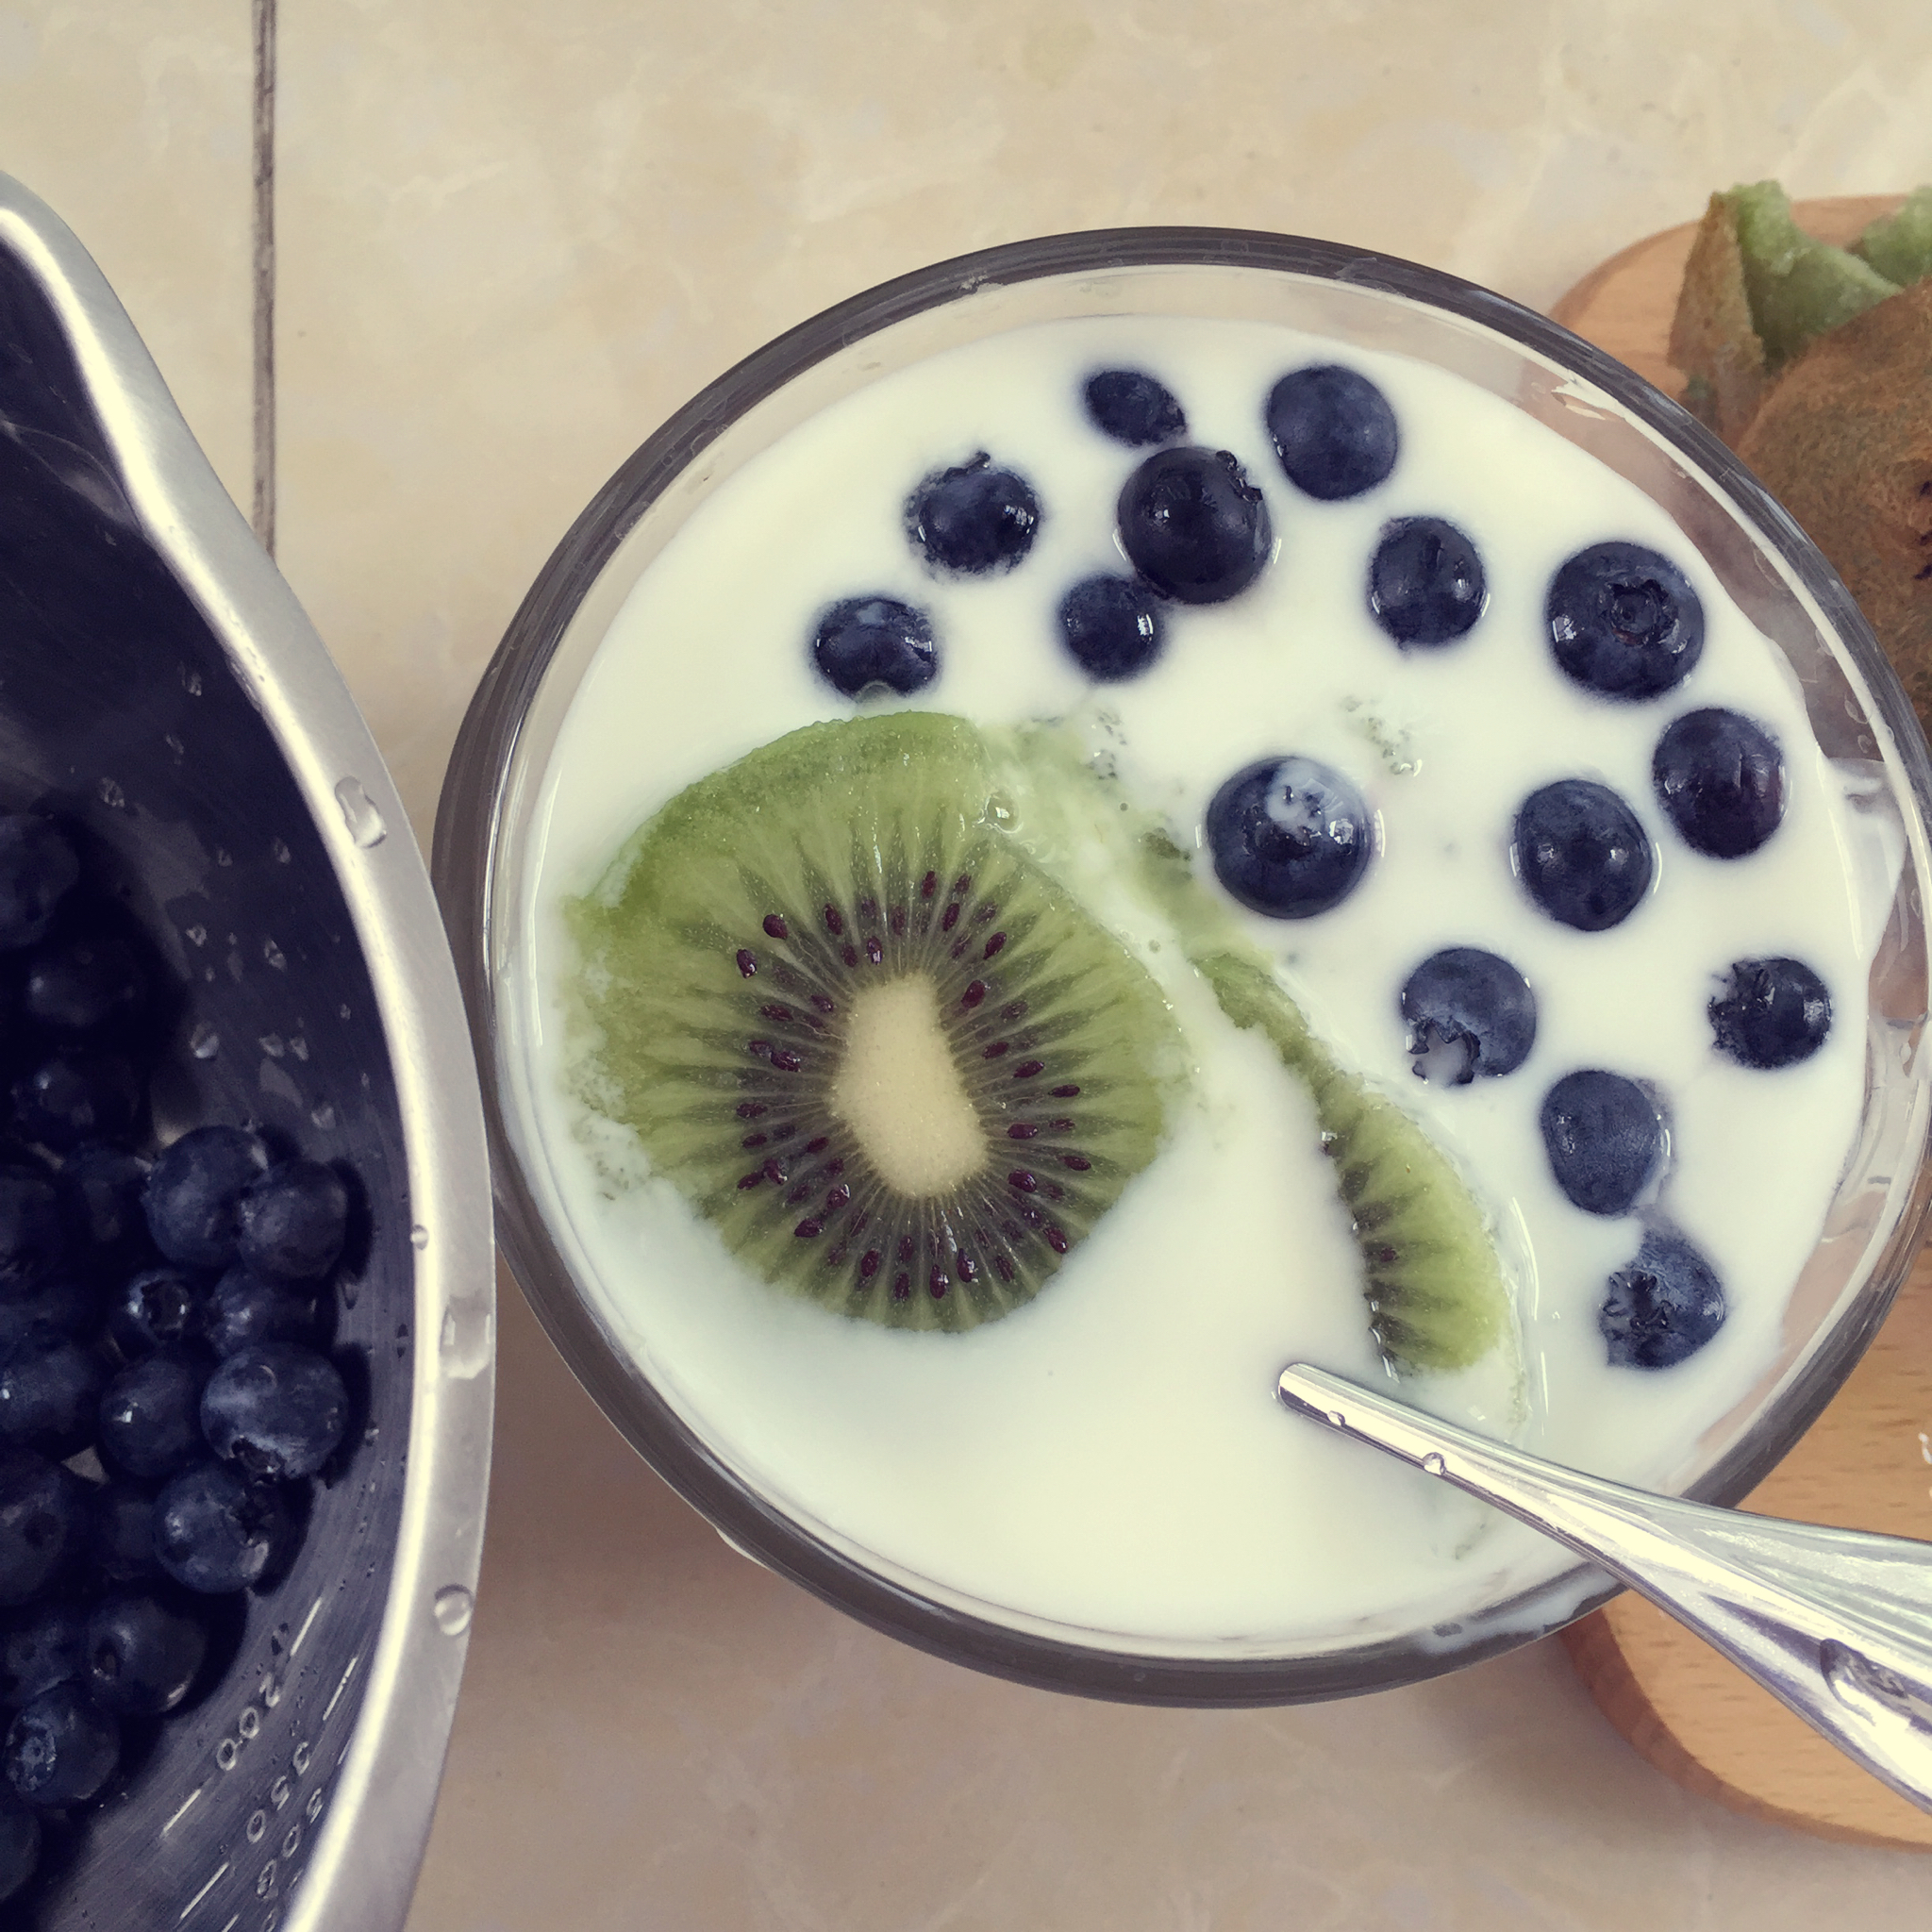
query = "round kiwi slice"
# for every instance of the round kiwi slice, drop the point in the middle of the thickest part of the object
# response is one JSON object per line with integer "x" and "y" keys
{"x": 884, "y": 1052}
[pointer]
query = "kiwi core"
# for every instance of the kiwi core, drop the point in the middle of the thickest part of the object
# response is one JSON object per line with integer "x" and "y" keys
{"x": 899, "y": 1090}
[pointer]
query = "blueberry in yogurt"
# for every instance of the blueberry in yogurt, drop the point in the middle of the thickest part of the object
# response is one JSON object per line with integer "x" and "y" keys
{"x": 1112, "y": 626}
{"x": 1425, "y": 582}
{"x": 1604, "y": 1138}
{"x": 1132, "y": 408}
{"x": 1769, "y": 1013}
{"x": 1624, "y": 622}
{"x": 1193, "y": 525}
{"x": 1469, "y": 1012}
{"x": 1333, "y": 430}
{"x": 864, "y": 644}
{"x": 1661, "y": 1308}
{"x": 973, "y": 520}
{"x": 1581, "y": 854}
{"x": 1722, "y": 780}
{"x": 1290, "y": 837}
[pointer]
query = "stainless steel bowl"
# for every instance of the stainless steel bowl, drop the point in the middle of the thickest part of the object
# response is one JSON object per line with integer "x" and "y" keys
{"x": 491, "y": 821}
{"x": 161, "y": 690}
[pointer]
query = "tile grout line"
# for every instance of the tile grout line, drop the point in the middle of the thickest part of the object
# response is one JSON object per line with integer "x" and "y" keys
{"x": 264, "y": 274}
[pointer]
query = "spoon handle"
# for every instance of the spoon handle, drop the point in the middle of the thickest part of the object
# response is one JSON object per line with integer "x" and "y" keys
{"x": 1836, "y": 1623}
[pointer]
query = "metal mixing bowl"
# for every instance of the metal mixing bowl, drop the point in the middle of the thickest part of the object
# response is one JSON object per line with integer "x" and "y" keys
{"x": 161, "y": 692}
{"x": 491, "y": 823}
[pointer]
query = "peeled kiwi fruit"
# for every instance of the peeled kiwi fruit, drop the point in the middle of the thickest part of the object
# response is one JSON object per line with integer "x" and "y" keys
{"x": 1434, "y": 1286}
{"x": 889, "y": 1057}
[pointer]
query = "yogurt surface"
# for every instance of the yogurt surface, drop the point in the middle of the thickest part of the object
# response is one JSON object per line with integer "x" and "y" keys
{"x": 1110, "y": 1458}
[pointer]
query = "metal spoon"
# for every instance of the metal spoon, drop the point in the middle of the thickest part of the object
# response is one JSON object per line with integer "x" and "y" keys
{"x": 1836, "y": 1623}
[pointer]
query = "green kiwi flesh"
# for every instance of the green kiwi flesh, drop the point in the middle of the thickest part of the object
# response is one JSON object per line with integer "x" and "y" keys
{"x": 1899, "y": 246}
{"x": 725, "y": 960}
{"x": 1799, "y": 288}
{"x": 1431, "y": 1278}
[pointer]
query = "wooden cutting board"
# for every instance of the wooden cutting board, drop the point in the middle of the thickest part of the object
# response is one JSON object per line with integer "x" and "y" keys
{"x": 1867, "y": 1462}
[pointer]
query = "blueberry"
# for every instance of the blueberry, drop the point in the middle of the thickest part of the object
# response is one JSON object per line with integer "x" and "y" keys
{"x": 1722, "y": 780}
{"x": 60, "y": 1750}
{"x": 869, "y": 643}
{"x": 42, "y": 1650}
{"x": 1112, "y": 626}
{"x": 84, "y": 984}
{"x": 43, "y": 1523}
{"x": 1132, "y": 408}
{"x": 20, "y": 1842}
{"x": 159, "y": 1307}
{"x": 1333, "y": 430}
{"x": 974, "y": 519}
{"x": 1662, "y": 1306}
{"x": 33, "y": 1235}
{"x": 293, "y": 1221}
{"x": 1604, "y": 1138}
{"x": 1625, "y": 620}
{"x": 38, "y": 870}
{"x": 121, "y": 1539}
{"x": 73, "y": 1097}
{"x": 150, "y": 1416}
{"x": 101, "y": 1188}
{"x": 50, "y": 1394}
{"x": 215, "y": 1531}
{"x": 1288, "y": 837}
{"x": 1771, "y": 1013}
{"x": 1465, "y": 998}
{"x": 246, "y": 1309}
{"x": 142, "y": 1654}
{"x": 1425, "y": 582}
{"x": 275, "y": 1409}
{"x": 193, "y": 1191}
{"x": 1581, "y": 854}
{"x": 60, "y": 1305}
{"x": 63, "y": 1305}
{"x": 1193, "y": 525}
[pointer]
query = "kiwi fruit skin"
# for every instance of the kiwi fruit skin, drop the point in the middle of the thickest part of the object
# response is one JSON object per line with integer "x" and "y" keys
{"x": 721, "y": 954}
{"x": 1844, "y": 442}
{"x": 1713, "y": 338}
{"x": 1438, "y": 1300}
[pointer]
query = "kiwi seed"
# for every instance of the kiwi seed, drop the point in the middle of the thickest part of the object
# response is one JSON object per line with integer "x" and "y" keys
{"x": 887, "y": 1056}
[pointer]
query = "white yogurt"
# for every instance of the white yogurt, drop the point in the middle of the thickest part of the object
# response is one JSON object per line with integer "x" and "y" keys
{"x": 1110, "y": 1460}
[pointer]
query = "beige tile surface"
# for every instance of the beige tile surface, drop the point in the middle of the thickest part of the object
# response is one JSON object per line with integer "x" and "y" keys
{"x": 132, "y": 123}
{"x": 512, "y": 239}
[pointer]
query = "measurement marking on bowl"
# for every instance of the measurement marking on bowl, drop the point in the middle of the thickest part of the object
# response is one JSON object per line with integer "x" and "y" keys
{"x": 328, "y": 1709}
{"x": 453, "y": 1607}
{"x": 314, "y": 1609}
{"x": 221, "y": 1873}
{"x": 181, "y": 1809}
{"x": 360, "y": 814}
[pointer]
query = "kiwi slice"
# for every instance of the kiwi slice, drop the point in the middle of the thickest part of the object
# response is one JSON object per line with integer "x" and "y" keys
{"x": 1800, "y": 288}
{"x": 1899, "y": 246}
{"x": 1431, "y": 1276}
{"x": 887, "y": 1056}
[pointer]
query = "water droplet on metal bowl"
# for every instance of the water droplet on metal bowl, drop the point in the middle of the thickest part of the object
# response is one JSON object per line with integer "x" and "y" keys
{"x": 454, "y": 1606}
{"x": 360, "y": 814}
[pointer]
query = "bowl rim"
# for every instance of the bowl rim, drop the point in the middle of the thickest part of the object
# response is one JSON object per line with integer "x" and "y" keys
{"x": 471, "y": 820}
{"x": 369, "y": 1847}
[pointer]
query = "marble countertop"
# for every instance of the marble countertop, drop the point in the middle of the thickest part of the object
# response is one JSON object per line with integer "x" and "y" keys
{"x": 507, "y": 241}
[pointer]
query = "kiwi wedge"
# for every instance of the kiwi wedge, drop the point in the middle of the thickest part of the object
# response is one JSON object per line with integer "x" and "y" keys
{"x": 1431, "y": 1276}
{"x": 855, "y": 1022}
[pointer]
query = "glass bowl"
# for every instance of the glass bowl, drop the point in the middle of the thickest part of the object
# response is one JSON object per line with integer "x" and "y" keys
{"x": 488, "y": 828}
